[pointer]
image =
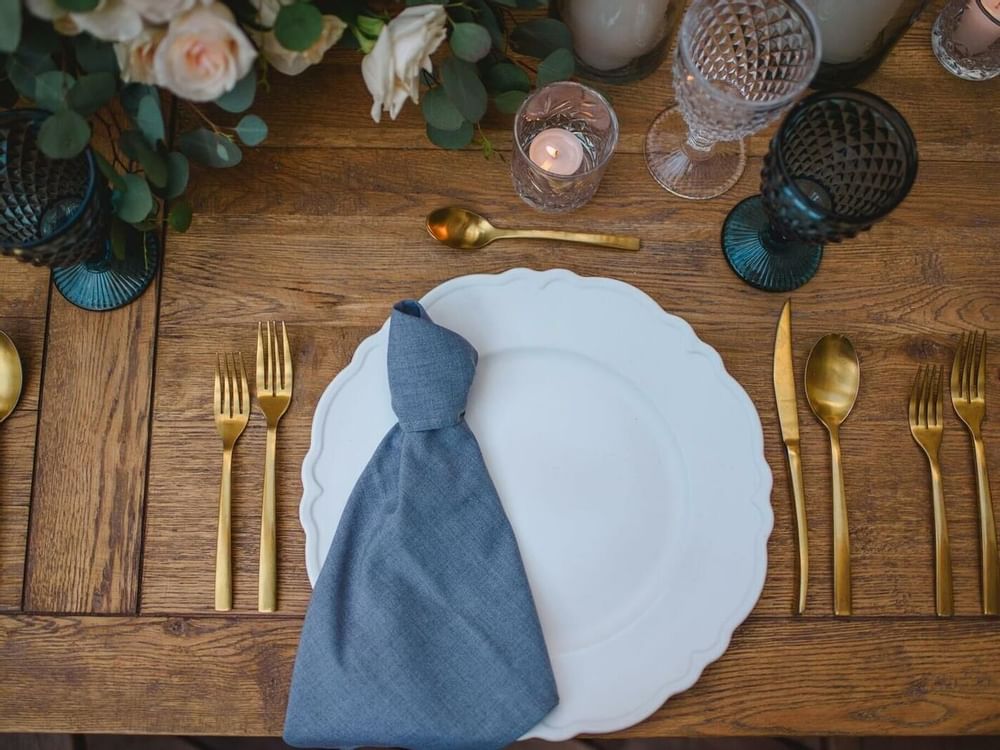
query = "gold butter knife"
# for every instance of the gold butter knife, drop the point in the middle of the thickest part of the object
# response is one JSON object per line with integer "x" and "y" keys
{"x": 788, "y": 417}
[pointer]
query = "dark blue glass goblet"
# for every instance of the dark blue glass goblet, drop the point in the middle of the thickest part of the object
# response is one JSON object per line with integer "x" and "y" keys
{"x": 57, "y": 213}
{"x": 841, "y": 161}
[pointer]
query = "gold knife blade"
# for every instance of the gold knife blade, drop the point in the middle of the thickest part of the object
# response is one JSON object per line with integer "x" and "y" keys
{"x": 788, "y": 417}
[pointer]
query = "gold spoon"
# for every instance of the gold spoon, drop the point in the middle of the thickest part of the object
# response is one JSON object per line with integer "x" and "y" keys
{"x": 11, "y": 376}
{"x": 466, "y": 230}
{"x": 832, "y": 379}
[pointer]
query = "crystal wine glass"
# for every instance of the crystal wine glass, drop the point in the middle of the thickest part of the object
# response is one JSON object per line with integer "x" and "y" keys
{"x": 57, "y": 213}
{"x": 841, "y": 161}
{"x": 737, "y": 66}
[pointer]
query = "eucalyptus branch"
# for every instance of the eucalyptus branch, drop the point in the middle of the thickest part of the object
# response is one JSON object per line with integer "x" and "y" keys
{"x": 215, "y": 128}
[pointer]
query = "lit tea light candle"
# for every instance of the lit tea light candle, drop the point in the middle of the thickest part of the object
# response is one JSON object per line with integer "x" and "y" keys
{"x": 978, "y": 27}
{"x": 556, "y": 150}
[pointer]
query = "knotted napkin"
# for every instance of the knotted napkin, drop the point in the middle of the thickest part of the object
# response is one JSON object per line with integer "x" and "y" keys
{"x": 422, "y": 632}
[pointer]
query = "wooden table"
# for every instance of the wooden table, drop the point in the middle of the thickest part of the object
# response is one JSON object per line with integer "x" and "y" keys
{"x": 110, "y": 465}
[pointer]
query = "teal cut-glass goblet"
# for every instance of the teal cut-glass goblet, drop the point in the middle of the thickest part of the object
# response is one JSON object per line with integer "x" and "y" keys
{"x": 57, "y": 213}
{"x": 841, "y": 161}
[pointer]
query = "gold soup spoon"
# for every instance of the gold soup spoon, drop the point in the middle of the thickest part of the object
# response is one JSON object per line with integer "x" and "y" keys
{"x": 832, "y": 379}
{"x": 11, "y": 376}
{"x": 463, "y": 229}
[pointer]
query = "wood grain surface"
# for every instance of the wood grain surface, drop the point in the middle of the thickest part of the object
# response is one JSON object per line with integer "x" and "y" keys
{"x": 322, "y": 227}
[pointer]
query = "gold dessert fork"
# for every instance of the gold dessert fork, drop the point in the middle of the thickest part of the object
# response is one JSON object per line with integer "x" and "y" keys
{"x": 274, "y": 393}
{"x": 927, "y": 427}
{"x": 968, "y": 396}
{"x": 232, "y": 412}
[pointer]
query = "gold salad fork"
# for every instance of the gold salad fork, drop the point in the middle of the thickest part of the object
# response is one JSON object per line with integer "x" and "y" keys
{"x": 968, "y": 396}
{"x": 927, "y": 427}
{"x": 232, "y": 412}
{"x": 274, "y": 393}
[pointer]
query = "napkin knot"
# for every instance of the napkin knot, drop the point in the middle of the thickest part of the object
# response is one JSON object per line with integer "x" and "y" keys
{"x": 430, "y": 370}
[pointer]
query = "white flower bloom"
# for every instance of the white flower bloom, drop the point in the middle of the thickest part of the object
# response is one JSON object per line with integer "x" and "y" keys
{"x": 135, "y": 58}
{"x": 162, "y": 11}
{"x": 203, "y": 54}
{"x": 292, "y": 63}
{"x": 267, "y": 10}
{"x": 392, "y": 69}
{"x": 111, "y": 20}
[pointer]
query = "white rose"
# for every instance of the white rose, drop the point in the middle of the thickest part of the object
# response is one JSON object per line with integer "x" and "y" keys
{"x": 392, "y": 69}
{"x": 292, "y": 63}
{"x": 203, "y": 54}
{"x": 111, "y": 20}
{"x": 267, "y": 10}
{"x": 135, "y": 58}
{"x": 161, "y": 11}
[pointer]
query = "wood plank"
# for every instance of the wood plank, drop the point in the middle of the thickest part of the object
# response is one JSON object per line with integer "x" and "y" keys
{"x": 86, "y": 518}
{"x": 230, "y": 675}
{"x": 336, "y": 89}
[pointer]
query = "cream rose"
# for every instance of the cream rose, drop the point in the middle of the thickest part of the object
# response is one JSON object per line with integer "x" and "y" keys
{"x": 292, "y": 63}
{"x": 162, "y": 11}
{"x": 392, "y": 69}
{"x": 203, "y": 54}
{"x": 111, "y": 20}
{"x": 135, "y": 58}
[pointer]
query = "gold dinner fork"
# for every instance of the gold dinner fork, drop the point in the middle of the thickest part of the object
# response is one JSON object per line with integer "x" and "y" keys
{"x": 274, "y": 392}
{"x": 968, "y": 396}
{"x": 927, "y": 427}
{"x": 232, "y": 412}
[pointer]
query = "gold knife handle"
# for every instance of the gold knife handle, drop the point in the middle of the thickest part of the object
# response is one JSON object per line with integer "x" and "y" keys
{"x": 943, "y": 597}
{"x": 987, "y": 534}
{"x": 615, "y": 241}
{"x": 267, "y": 580}
{"x": 802, "y": 527}
{"x": 223, "y": 546}
{"x": 841, "y": 533}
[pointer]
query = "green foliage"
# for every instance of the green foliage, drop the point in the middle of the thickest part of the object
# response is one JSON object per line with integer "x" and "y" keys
{"x": 63, "y": 135}
{"x": 556, "y": 67}
{"x": 179, "y": 217}
{"x": 451, "y": 139}
{"x": 510, "y": 101}
{"x": 178, "y": 170}
{"x": 241, "y": 97}
{"x": 470, "y": 41}
{"x": 210, "y": 148}
{"x": 10, "y": 25}
{"x": 439, "y": 111}
{"x": 51, "y": 89}
{"x": 464, "y": 88}
{"x": 77, "y": 6}
{"x": 149, "y": 118}
{"x": 94, "y": 55}
{"x": 135, "y": 147}
{"x": 252, "y": 130}
{"x": 134, "y": 202}
{"x": 298, "y": 26}
{"x": 541, "y": 37}
{"x": 91, "y": 92}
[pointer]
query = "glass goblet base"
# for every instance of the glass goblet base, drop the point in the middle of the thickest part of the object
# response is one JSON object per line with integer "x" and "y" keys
{"x": 762, "y": 261}
{"x": 689, "y": 172}
{"x": 107, "y": 282}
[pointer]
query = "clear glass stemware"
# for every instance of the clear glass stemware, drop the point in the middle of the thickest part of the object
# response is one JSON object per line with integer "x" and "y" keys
{"x": 737, "y": 67}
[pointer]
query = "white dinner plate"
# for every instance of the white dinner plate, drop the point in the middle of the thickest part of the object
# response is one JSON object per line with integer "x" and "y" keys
{"x": 629, "y": 462}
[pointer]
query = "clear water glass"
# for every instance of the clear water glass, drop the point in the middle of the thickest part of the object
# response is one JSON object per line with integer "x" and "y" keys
{"x": 737, "y": 67}
{"x": 590, "y": 118}
{"x": 966, "y": 39}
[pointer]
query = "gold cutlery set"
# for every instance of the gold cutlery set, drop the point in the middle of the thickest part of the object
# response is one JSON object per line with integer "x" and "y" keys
{"x": 832, "y": 378}
{"x": 232, "y": 413}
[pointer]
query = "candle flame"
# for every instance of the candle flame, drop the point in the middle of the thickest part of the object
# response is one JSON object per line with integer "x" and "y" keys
{"x": 552, "y": 151}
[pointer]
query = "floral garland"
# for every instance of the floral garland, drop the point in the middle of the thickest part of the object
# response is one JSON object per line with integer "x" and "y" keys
{"x": 100, "y": 65}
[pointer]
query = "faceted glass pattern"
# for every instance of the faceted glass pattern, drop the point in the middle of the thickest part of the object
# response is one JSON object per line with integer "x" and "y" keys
{"x": 840, "y": 162}
{"x": 737, "y": 67}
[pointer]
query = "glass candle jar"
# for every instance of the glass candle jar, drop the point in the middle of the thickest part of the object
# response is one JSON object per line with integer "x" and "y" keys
{"x": 564, "y": 136}
{"x": 966, "y": 38}
{"x": 621, "y": 41}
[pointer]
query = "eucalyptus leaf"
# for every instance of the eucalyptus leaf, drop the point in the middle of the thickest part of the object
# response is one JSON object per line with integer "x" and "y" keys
{"x": 77, "y": 6}
{"x": 94, "y": 55}
{"x": 252, "y": 130}
{"x": 464, "y": 89}
{"x": 439, "y": 111}
{"x": 298, "y": 26}
{"x": 136, "y": 147}
{"x": 38, "y": 38}
{"x": 556, "y": 67}
{"x": 24, "y": 71}
{"x": 108, "y": 170}
{"x": 51, "y": 89}
{"x": 209, "y": 148}
{"x": 10, "y": 25}
{"x": 135, "y": 201}
{"x": 470, "y": 41}
{"x": 510, "y": 101}
{"x": 119, "y": 237}
{"x": 507, "y": 77}
{"x": 133, "y": 93}
{"x": 92, "y": 92}
{"x": 242, "y": 94}
{"x": 541, "y": 37}
{"x": 451, "y": 139}
{"x": 179, "y": 217}
{"x": 149, "y": 118}
{"x": 178, "y": 170}
{"x": 63, "y": 135}
{"x": 491, "y": 18}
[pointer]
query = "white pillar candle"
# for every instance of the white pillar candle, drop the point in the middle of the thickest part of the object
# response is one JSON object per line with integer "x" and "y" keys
{"x": 609, "y": 35}
{"x": 978, "y": 27}
{"x": 848, "y": 28}
{"x": 556, "y": 150}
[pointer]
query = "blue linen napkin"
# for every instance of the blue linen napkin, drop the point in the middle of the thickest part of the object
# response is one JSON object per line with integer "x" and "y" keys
{"x": 422, "y": 632}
